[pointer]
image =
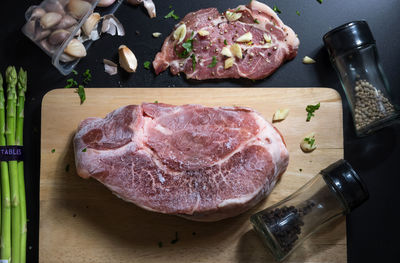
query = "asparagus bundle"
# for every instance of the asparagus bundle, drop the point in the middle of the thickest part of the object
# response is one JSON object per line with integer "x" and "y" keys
{"x": 5, "y": 187}
{"x": 13, "y": 210}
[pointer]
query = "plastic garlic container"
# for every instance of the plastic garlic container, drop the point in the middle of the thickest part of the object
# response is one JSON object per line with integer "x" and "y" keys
{"x": 65, "y": 29}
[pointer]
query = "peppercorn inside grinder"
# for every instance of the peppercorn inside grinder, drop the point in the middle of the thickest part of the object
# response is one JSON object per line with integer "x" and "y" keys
{"x": 354, "y": 56}
{"x": 332, "y": 193}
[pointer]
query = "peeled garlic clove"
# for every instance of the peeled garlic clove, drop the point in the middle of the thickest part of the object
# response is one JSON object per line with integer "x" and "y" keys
{"x": 75, "y": 48}
{"x": 66, "y": 22}
{"x": 247, "y": 37}
{"x": 308, "y": 60}
{"x": 267, "y": 38}
{"x": 308, "y": 144}
{"x": 49, "y": 20}
{"x": 226, "y": 51}
{"x": 90, "y": 23}
{"x": 105, "y": 3}
{"x": 280, "y": 115}
{"x": 156, "y": 34}
{"x": 232, "y": 16}
{"x": 36, "y": 13}
{"x": 127, "y": 59}
{"x": 58, "y": 36}
{"x": 78, "y": 8}
{"x": 237, "y": 51}
{"x": 203, "y": 33}
{"x": 67, "y": 58}
{"x": 40, "y": 33}
{"x": 53, "y": 6}
{"x": 180, "y": 33}
{"x": 229, "y": 62}
{"x": 47, "y": 47}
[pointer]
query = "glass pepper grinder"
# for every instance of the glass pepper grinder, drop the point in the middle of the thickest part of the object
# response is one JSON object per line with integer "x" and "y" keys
{"x": 354, "y": 56}
{"x": 334, "y": 192}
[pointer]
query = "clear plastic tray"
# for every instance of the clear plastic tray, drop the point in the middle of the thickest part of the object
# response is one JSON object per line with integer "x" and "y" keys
{"x": 32, "y": 29}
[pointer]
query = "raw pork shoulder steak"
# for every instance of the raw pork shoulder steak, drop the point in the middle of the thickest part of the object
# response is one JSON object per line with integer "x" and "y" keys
{"x": 201, "y": 163}
{"x": 249, "y": 42}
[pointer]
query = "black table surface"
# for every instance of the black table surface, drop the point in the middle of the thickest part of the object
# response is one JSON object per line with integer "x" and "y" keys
{"x": 371, "y": 228}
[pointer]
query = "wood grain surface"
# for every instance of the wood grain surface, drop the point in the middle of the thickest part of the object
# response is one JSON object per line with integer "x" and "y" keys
{"x": 82, "y": 221}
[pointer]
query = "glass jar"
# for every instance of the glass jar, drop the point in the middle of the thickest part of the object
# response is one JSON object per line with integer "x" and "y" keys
{"x": 67, "y": 17}
{"x": 354, "y": 56}
{"x": 334, "y": 192}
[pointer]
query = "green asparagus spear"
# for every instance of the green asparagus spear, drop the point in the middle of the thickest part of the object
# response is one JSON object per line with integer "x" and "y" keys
{"x": 11, "y": 77}
{"x": 22, "y": 86}
{"x": 5, "y": 188}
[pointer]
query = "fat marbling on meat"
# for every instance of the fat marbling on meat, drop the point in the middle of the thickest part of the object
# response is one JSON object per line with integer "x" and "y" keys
{"x": 272, "y": 44}
{"x": 202, "y": 163}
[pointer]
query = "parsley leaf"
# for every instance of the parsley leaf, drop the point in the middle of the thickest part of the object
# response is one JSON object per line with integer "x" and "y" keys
{"x": 75, "y": 72}
{"x": 225, "y": 42}
{"x": 310, "y": 141}
{"x": 298, "y": 13}
{"x": 276, "y": 9}
{"x": 188, "y": 46}
{"x": 171, "y": 14}
{"x": 256, "y": 21}
{"x": 319, "y": 1}
{"x": 81, "y": 92}
{"x": 194, "y": 62}
{"x": 70, "y": 83}
{"x": 213, "y": 63}
{"x": 156, "y": 101}
{"x": 53, "y": 150}
{"x": 87, "y": 75}
{"x": 146, "y": 64}
{"x": 311, "y": 109}
{"x": 84, "y": 150}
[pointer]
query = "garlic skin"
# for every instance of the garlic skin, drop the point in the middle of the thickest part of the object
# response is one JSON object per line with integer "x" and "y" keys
{"x": 112, "y": 26}
{"x": 49, "y": 20}
{"x": 180, "y": 33}
{"x": 110, "y": 67}
{"x": 90, "y": 23}
{"x": 148, "y": 4}
{"x": 75, "y": 48}
{"x": 58, "y": 36}
{"x": 78, "y": 8}
{"x": 127, "y": 59}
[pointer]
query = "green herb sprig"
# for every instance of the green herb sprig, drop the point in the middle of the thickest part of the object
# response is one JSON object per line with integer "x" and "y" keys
{"x": 147, "y": 64}
{"x": 172, "y": 14}
{"x": 310, "y": 110}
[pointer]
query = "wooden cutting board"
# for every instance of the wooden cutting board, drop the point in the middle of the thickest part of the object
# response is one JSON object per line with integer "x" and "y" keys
{"x": 82, "y": 221}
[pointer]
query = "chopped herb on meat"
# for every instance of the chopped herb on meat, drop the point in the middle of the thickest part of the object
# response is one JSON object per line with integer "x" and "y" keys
{"x": 213, "y": 63}
{"x": 256, "y": 21}
{"x": 84, "y": 150}
{"x": 194, "y": 62}
{"x": 225, "y": 42}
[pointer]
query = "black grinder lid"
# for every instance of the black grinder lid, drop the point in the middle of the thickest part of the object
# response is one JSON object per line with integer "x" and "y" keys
{"x": 348, "y": 36}
{"x": 345, "y": 182}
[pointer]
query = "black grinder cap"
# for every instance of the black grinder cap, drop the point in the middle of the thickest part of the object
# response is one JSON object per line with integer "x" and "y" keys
{"x": 347, "y": 185}
{"x": 347, "y": 37}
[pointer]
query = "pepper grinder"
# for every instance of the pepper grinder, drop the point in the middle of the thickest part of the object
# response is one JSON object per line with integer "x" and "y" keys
{"x": 332, "y": 193}
{"x": 353, "y": 54}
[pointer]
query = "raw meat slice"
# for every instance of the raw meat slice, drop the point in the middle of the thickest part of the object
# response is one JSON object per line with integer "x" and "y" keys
{"x": 270, "y": 45}
{"x": 198, "y": 162}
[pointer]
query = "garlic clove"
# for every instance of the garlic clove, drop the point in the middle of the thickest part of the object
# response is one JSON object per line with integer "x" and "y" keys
{"x": 110, "y": 67}
{"x": 150, "y": 7}
{"x": 308, "y": 144}
{"x": 75, "y": 48}
{"x": 53, "y": 6}
{"x": 78, "y": 8}
{"x": 41, "y": 33}
{"x": 58, "y": 36}
{"x": 90, "y": 23}
{"x": 105, "y": 3}
{"x": 229, "y": 62}
{"x": 30, "y": 28}
{"x": 66, "y": 22}
{"x": 226, "y": 51}
{"x": 127, "y": 59}
{"x": 280, "y": 115}
{"x": 180, "y": 33}
{"x": 232, "y": 16}
{"x": 67, "y": 58}
{"x": 237, "y": 51}
{"x": 308, "y": 60}
{"x": 49, "y": 20}
{"x": 203, "y": 33}
{"x": 46, "y": 46}
{"x": 247, "y": 37}
{"x": 156, "y": 34}
{"x": 267, "y": 38}
{"x": 36, "y": 12}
